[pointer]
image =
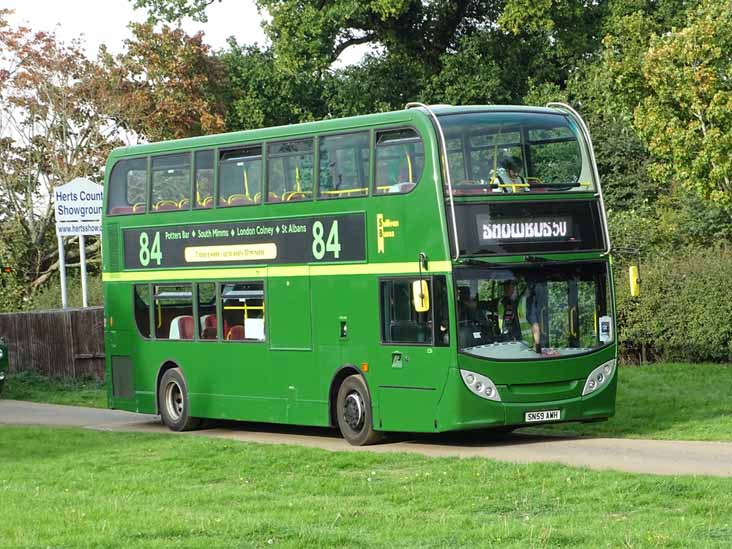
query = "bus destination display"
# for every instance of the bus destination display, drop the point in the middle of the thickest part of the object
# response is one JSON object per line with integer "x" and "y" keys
{"x": 329, "y": 238}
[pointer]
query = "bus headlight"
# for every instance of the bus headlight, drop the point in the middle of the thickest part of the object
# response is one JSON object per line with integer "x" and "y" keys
{"x": 599, "y": 377}
{"x": 480, "y": 385}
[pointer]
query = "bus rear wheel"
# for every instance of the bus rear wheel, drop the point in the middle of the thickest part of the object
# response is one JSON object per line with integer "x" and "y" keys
{"x": 174, "y": 402}
{"x": 353, "y": 407}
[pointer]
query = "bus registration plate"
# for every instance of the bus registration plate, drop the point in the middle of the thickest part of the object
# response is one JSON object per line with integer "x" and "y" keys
{"x": 544, "y": 415}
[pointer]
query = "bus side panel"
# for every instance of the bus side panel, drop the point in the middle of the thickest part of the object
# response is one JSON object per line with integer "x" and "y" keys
{"x": 292, "y": 359}
{"x": 346, "y": 329}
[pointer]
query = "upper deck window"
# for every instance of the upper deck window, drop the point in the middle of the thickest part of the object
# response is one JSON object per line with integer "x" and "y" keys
{"x": 290, "y": 171}
{"x": 204, "y": 188}
{"x": 240, "y": 176}
{"x": 399, "y": 160}
{"x": 171, "y": 182}
{"x": 344, "y": 165}
{"x": 127, "y": 187}
{"x": 508, "y": 152}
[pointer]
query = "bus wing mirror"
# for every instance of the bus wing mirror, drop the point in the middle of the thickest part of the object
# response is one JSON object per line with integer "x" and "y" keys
{"x": 634, "y": 277}
{"x": 421, "y": 296}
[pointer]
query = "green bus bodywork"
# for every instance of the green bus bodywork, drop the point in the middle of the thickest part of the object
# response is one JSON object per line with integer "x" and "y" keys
{"x": 323, "y": 319}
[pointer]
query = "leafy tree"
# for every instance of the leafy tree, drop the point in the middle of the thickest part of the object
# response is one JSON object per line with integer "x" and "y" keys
{"x": 174, "y": 10}
{"x": 166, "y": 85}
{"x": 261, "y": 94}
{"x": 686, "y": 118}
{"x": 50, "y": 133}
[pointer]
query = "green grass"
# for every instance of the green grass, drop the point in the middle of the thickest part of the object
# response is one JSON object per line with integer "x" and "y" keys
{"x": 79, "y": 488}
{"x": 37, "y": 388}
{"x": 665, "y": 402}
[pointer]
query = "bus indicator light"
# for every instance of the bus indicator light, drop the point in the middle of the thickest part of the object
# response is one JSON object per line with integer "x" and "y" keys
{"x": 364, "y": 367}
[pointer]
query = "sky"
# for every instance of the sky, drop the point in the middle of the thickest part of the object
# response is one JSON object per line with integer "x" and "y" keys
{"x": 105, "y": 21}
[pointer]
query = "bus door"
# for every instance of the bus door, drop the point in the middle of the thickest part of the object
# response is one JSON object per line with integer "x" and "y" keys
{"x": 414, "y": 353}
{"x": 290, "y": 340}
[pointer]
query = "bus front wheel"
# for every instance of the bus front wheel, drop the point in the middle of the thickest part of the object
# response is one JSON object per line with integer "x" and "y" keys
{"x": 354, "y": 412}
{"x": 174, "y": 403}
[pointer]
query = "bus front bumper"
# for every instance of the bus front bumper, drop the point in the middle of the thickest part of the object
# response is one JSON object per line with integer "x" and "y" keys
{"x": 459, "y": 409}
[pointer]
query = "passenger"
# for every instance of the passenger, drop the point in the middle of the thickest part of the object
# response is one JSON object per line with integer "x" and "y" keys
{"x": 467, "y": 305}
{"x": 536, "y": 299}
{"x": 511, "y": 176}
{"x": 510, "y": 324}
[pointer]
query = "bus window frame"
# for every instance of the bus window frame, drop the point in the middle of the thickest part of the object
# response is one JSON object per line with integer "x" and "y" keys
{"x": 220, "y": 310}
{"x": 149, "y": 309}
{"x": 194, "y": 187}
{"x": 372, "y": 152}
{"x": 410, "y": 278}
{"x": 107, "y": 194}
{"x": 191, "y": 165}
{"x": 153, "y": 326}
{"x": 313, "y": 138}
{"x": 217, "y": 171}
{"x": 375, "y": 130}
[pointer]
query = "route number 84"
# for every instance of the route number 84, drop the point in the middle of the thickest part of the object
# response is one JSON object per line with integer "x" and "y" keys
{"x": 331, "y": 245}
{"x": 148, "y": 252}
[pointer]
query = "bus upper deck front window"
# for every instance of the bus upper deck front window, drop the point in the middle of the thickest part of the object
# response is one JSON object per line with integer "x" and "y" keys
{"x": 515, "y": 152}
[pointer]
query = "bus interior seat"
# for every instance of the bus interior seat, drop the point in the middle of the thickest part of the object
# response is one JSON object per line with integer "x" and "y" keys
{"x": 181, "y": 327}
{"x": 118, "y": 210}
{"x": 238, "y": 200}
{"x": 236, "y": 332}
{"x": 209, "y": 326}
{"x": 166, "y": 205}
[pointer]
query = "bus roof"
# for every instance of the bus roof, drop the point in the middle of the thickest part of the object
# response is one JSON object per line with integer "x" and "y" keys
{"x": 404, "y": 116}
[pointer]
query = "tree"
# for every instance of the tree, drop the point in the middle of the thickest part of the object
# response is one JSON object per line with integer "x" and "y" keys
{"x": 260, "y": 94}
{"x": 50, "y": 133}
{"x": 686, "y": 119}
{"x": 166, "y": 85}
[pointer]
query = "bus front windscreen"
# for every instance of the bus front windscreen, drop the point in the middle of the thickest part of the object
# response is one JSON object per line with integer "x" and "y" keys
{"x": 515, "y": 152}
{"x": 533, "y": 311}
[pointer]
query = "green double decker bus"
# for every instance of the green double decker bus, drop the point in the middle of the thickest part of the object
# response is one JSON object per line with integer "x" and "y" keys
{"x": 425, "y": 270}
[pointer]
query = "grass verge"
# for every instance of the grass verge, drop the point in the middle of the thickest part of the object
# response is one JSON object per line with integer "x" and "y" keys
{"x": 37, "y": 388}
{"x": 665, "y": 402}
{"x": 82, "y": 488}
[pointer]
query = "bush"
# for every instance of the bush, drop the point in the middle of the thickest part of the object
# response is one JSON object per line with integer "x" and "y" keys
{"x": 684, "y": 312}
{"x": 50, "y": 296}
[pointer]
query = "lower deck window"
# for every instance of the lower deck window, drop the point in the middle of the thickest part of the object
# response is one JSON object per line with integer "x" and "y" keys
{"x": 242, "y": 311}
{"x": 173, "y": 311}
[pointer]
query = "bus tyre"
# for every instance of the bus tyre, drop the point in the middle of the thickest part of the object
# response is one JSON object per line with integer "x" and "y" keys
{"x": 353, "y": 407}
{"x": 174, "y": 402}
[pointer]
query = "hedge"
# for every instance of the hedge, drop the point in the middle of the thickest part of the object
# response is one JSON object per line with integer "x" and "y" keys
{"x": 684, "y": 311}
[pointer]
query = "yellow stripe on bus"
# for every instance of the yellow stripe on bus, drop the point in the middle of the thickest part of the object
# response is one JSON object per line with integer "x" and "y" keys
{"x": 275, "y": 271}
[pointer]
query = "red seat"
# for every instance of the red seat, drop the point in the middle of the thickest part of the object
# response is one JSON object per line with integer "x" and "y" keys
{"x": 236, "y": 333}
{"x": 181, "y": 327}
{"x": 120, "y": 210}
{"x": 209, "y": 325}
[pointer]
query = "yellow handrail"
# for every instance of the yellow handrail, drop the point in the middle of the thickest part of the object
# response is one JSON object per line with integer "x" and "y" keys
{"x": 246, "y": 185}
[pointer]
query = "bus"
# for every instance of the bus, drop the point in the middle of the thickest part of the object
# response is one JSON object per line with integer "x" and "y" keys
{"x": 433, "y": 269}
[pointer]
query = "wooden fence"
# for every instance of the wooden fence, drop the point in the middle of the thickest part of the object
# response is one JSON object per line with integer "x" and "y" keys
{"x": 68, "y": 343}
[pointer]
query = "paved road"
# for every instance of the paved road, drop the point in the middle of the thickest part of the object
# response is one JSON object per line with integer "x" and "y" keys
{"x": 638, "y": 456}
